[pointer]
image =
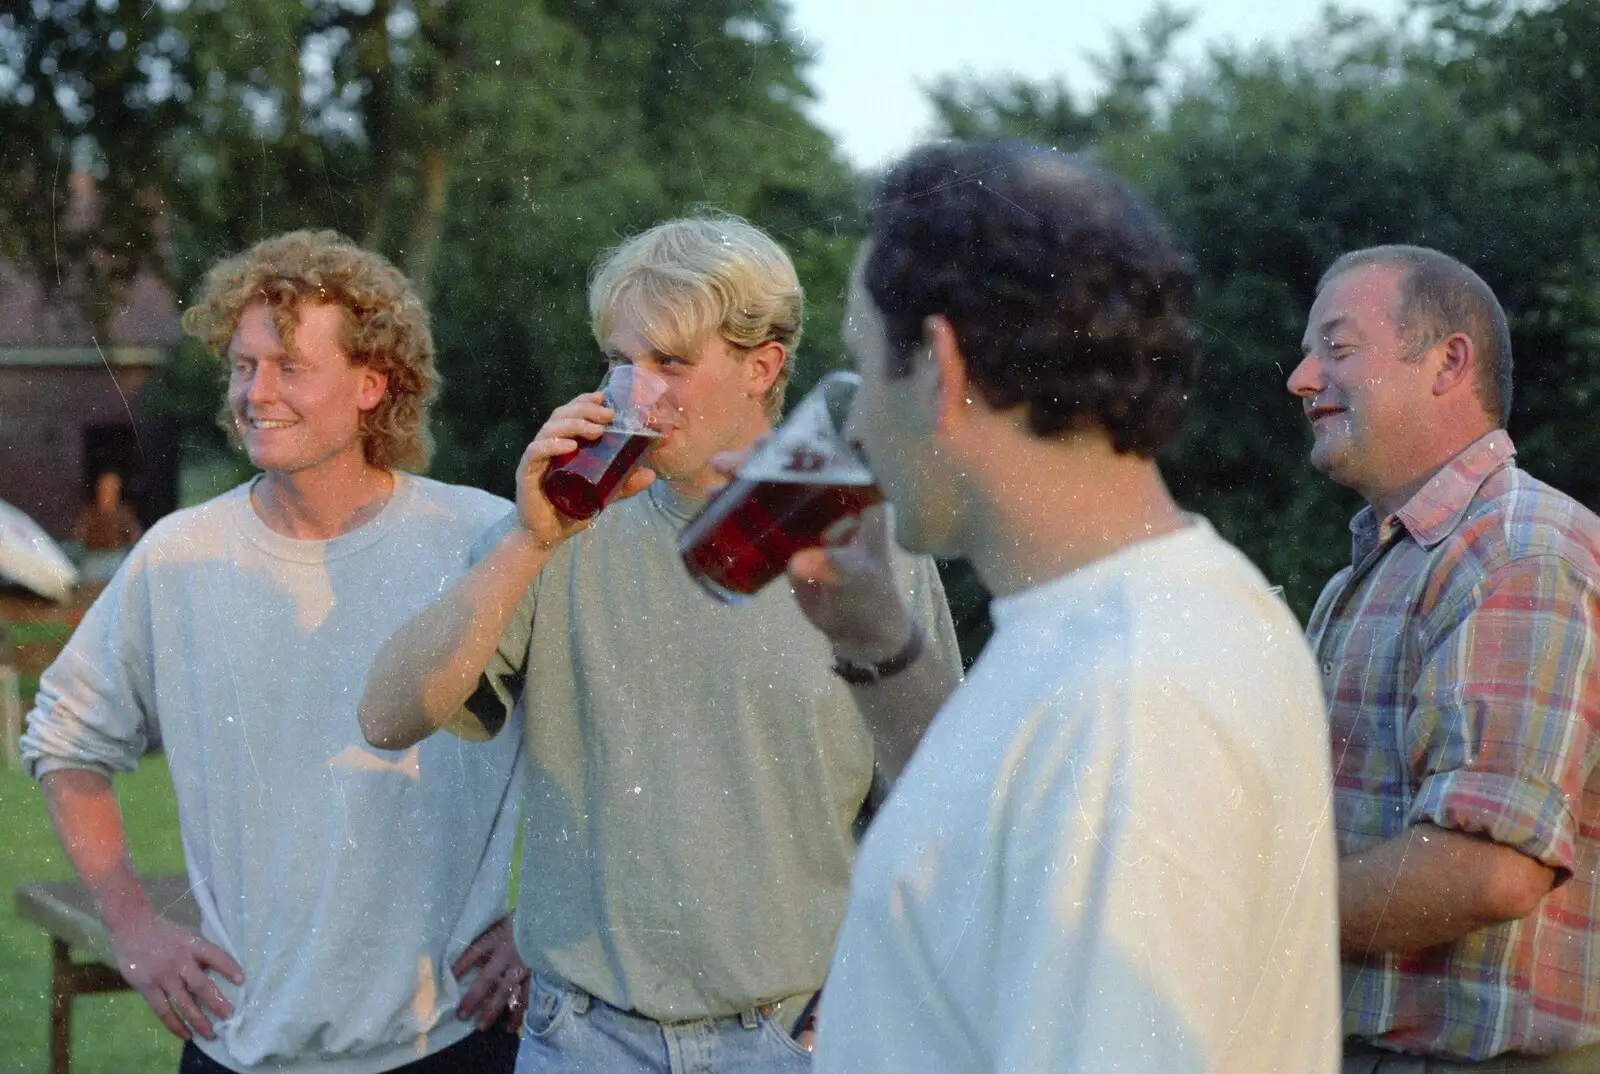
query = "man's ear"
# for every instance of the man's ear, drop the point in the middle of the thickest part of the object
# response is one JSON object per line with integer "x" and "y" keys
{"x": 762, "y": 367}
{"x": 1457, "y": 364}
{"x": 951, "y": 393}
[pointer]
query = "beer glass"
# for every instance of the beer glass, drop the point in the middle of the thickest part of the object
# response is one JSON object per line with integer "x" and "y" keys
{"x": 581, "y": 482}
{"x": 798, "y": 490}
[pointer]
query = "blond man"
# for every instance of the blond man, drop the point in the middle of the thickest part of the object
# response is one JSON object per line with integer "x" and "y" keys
{"x": 238, "y": 631}
{"x": 698, "y": 775}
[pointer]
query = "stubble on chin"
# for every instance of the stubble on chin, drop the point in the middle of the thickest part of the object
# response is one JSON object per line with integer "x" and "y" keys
{"x": 1336, "y": 459}
{"x": 1330, "y": 441}
{"x": 1321, "y": 459}
{"x": 666, "y": 469}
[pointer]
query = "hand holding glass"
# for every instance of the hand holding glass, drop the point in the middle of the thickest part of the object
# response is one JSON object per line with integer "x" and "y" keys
{"x": 796, "y": 491}
{"x": 581, "y": 482}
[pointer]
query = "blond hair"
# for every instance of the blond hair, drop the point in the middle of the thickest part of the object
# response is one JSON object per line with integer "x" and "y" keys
{"x": 685, "y": 279}
{"x": 386, "y": 327}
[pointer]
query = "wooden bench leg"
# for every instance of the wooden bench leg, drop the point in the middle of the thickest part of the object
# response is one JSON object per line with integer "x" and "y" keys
{"x": 69, "y": 979}
{"x": 60, "y": 1008}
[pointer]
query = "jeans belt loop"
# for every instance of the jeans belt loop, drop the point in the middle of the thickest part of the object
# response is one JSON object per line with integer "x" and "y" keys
{"x": 750, "y": 1017}
{"x": 580, "y": 1000}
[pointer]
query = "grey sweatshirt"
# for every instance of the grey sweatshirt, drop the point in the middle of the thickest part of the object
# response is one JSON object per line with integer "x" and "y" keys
{"x": 343, "y": 879}
{"x": 695, "y": 773}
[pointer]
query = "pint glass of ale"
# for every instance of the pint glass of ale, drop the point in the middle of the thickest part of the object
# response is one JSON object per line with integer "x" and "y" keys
{"x": 798, "y": 490}
{"x": 581, "y": 482}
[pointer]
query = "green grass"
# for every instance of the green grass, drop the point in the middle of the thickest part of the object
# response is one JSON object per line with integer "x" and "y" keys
{"x": 35, "y": 633}
{"x": 113, "y": 1033}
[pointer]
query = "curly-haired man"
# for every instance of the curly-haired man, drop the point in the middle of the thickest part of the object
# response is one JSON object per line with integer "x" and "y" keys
{"x": 1111, "y": 850}
{"x": 238, "y": 633}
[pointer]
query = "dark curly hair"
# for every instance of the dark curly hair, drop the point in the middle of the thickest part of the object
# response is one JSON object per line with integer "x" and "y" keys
{"x": 1064, "y": 290}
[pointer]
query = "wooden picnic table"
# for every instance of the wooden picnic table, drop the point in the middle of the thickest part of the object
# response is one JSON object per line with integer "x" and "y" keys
{"x": 62, "y": 908}
{"x": 32, "y": 633}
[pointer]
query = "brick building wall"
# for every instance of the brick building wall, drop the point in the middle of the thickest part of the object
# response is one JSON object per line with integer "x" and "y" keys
{"x": 69, "y": 396}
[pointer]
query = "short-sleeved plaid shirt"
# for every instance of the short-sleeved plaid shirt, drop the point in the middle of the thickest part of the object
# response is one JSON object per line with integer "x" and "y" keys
{"x": 1459, "y": 657}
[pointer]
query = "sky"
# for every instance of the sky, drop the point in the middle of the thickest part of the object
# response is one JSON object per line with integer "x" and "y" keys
{"x": 873, "y": 56}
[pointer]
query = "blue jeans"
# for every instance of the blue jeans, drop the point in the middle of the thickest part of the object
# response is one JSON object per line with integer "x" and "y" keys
{"x": 491, "y": 1051}
{"x": 567, "y": 1031}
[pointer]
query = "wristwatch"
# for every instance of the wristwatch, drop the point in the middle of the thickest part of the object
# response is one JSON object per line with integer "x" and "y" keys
{"x": 867, "y": 674}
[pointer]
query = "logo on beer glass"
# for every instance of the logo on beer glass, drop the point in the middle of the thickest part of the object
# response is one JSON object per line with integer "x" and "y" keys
{"x": 581, "y": 482}
{"x": 798, "y": 490}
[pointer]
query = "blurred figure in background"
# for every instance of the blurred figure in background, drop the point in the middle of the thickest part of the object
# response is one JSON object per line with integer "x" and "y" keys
{"x": 105, "y": 529}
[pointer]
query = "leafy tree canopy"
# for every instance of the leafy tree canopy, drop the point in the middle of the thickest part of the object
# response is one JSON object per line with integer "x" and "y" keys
{"x": 491, "y": 148}
{"x": 1270, "y": 164}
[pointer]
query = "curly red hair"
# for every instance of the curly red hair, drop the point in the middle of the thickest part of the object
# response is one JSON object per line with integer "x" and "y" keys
{"x": 386, "y": 326}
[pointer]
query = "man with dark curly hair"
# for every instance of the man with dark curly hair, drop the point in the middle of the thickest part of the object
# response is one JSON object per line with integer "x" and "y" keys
{"x": 238, "y": 633}
{"x": 1111, "y": 850}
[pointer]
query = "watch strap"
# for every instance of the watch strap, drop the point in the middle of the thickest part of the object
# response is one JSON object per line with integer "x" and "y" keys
{"x": 867, "y": 674}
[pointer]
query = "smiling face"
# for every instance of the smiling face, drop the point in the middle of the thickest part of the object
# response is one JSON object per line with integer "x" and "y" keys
{"x": 717, "y": 392}
{"x": 1365, "y": 392}
{"x": 298, "y": 408}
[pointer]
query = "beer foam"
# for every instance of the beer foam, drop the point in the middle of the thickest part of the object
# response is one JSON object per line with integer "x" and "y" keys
{"x": 858, "y": 475}
{"x": 807, "y": 450}
{"x": 637, "y": 409}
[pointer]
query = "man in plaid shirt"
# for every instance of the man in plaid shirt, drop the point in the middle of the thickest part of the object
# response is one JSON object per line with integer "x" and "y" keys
{"x": 1458, "y": 654}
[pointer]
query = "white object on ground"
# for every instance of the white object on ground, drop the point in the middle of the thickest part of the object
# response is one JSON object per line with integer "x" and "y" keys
{"x": 29, "y": 557}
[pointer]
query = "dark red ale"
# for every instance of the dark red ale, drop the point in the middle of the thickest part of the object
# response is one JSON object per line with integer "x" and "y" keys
{"x": 580, "y": 482}
{"x": 747, "y": 534}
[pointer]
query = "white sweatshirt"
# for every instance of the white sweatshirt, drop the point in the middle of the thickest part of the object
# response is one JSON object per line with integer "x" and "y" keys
{"x": 343, "y": 879}
{"x": 1113, "y": 849}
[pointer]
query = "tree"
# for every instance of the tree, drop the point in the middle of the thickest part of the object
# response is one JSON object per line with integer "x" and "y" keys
{"x": 491, "y": 148}
{"x": 1131, "y": 74}
{"x": 1529, "y": 67}
{"x": 686, "y": 104}
{"x": 83, "y": 85}
{"x": 1529, "y": 70}
{"x": 1268, "y": 165}
{"x": 361, "y": 117}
